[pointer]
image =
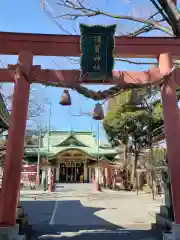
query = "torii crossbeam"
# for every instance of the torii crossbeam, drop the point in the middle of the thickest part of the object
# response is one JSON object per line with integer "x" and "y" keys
{"x": 28, "y": 45}
{"x": 47, "y": 76}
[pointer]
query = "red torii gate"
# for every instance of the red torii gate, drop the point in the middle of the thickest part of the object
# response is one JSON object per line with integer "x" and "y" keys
{"x": 28, "y": 45}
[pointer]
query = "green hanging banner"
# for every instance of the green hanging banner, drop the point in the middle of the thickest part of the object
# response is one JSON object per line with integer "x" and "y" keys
{"x": 97, "y": 50}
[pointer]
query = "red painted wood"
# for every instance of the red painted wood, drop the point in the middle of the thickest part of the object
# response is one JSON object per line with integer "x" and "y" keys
{"x": 69, "y": 45}
{"x": 15, "y": 144}
{"x": 39, "y": 75}
{"x": 172, "y": 130}
{"x": 119, "y": 77}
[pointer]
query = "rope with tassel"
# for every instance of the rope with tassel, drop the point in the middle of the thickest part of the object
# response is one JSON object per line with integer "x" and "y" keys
{"x": 98, "y": 113}
{"x": 95, "y": 95}
{"x": 101, "y": 95}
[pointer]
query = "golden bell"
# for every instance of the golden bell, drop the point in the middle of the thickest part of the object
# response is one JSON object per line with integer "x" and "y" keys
{"x": 98, "y": 113}
{"x": 65, "y": 99}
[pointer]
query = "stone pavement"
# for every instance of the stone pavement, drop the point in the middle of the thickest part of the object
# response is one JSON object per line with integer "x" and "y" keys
{"x": 78, "y": 211}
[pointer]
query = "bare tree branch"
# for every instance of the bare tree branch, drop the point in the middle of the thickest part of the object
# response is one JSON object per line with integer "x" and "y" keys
{"x": 146, "y": 28}
{"x": 166, "y": 8}
{"x": 173, "y": 14}
{"x": 135, "y": 62}
{"x": 35, "y": 108}
{"x": 57, "y": 23}
{"x": 79, "y": 10}
{"x": 160, "y": 10}
{"x": 76, "y": 61}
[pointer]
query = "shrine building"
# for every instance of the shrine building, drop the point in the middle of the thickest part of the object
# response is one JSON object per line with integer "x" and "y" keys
{"x": 69, "y": 154}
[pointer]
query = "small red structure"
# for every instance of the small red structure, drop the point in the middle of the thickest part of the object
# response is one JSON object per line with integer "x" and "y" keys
{"x": 51, "y": 186}
{"x": 28, "y": 45}
{"x": 98, "y": 187}
{"x": 28, "y": 175}
{"x": 93, "y": 178}
{"x": 51, "y": 182}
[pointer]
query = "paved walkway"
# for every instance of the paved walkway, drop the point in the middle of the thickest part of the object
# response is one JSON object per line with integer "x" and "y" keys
{"x": 77, "y": 210}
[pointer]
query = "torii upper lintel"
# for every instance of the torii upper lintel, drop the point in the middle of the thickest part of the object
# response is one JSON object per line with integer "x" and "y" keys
{"x": 69, "y": 45}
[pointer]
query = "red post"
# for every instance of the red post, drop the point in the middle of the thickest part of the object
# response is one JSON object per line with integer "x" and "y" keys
{"x": 51, "y": 183}
{"x": 15, "y": 145}
{"x": 172, "y": 129}
{"x": 98, "y": 187}
{"x": 108, "y": 177}
{"x": 93, "y": 178}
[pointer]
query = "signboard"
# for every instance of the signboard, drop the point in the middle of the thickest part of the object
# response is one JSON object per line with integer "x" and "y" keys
{"x": 97, "y": 49}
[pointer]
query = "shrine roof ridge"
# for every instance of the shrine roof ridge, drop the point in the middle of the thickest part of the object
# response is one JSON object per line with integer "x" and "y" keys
{"x": 70, "y": 131}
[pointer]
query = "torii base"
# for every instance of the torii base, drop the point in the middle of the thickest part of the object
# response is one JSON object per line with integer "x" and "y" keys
{"x": 175, "y": 235}
{"x": 11, "y": 233}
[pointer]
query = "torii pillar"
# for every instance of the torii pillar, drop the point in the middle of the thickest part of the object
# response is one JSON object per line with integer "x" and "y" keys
{"x": 15, "y": 145}
{"x": 172, "y": 132}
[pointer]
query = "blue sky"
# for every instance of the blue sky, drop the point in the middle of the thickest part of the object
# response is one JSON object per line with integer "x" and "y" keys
{"x": 27, "y": 16}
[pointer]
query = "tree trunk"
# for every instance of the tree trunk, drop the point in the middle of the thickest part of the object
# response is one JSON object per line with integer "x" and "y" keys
{"x": 153, "y": 179}
{"x": 137, "y": 182}
{"x": 151, "y": 161}
{"x": 125, "y": 167}
{"x": 125, "y": 155}
{"x": 134, "y": 170}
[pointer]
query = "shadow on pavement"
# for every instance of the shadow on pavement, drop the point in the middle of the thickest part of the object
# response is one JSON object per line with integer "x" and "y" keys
{"x": 64, "y": 219}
